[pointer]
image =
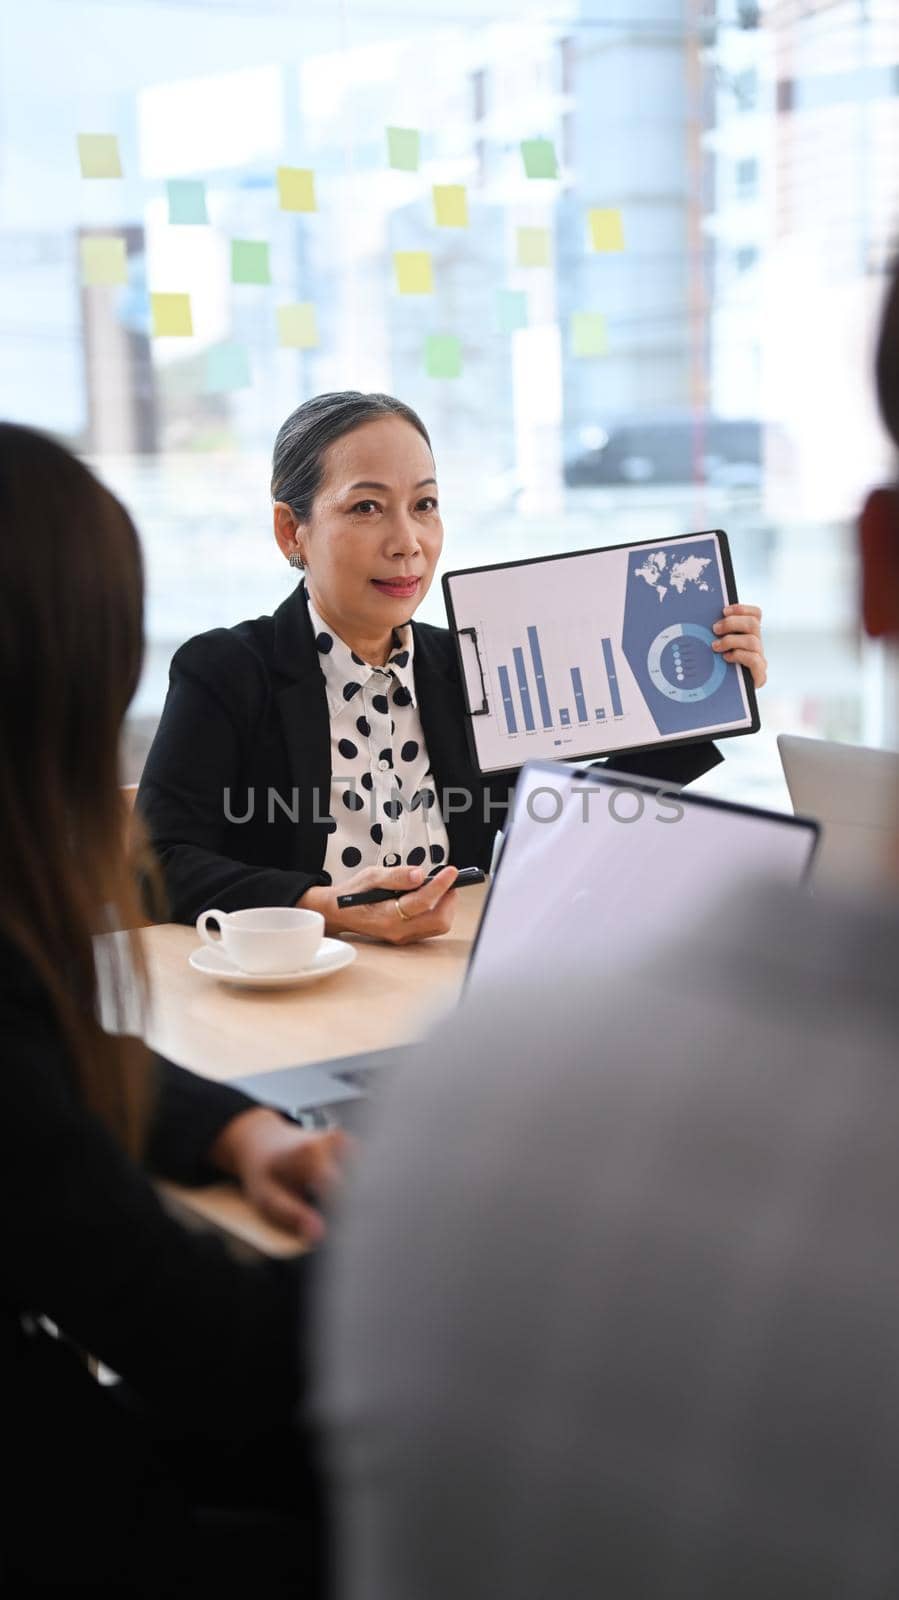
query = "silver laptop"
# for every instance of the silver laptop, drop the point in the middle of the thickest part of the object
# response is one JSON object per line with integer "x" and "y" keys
{"x": 854, "y": 793}
{"x": 591, "y": 861}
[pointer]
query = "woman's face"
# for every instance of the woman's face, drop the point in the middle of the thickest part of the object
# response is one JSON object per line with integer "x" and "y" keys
{"x": 375, "y": 535}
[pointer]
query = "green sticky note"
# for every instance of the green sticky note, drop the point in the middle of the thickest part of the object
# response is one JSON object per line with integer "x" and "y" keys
{"x": 511, "y": 310}
{"x": 104, "y": 259}
{"x": 413, "y": 271}
{"x": 588, "y": 334}
{"x": 450, "y": 205}
{"x": 533, "y": 247}
{"x": 249, "y": 261}
{"x": 297, "y": 326}
{"x": 404, "y": 148}
{"x": 171, "y": 315}
{"x": 227, "y": 367}
{"x": 99, "y": 156}
{"x": 539, "y": 157}
{"x": 187, "y": 200}
{"x": 296, "y": 189}
{"x": 443, "y": 356}
{"x": 606, "y": 229}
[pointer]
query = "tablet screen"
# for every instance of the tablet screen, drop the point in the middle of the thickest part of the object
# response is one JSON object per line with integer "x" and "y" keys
{"x": 598, "y": 651}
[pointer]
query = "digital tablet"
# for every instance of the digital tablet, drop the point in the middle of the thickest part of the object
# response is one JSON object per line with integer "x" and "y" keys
{"x": 598, "y": 652}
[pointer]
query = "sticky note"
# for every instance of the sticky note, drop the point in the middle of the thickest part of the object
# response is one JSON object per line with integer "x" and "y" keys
{"x": 296, "y": 189}
{"x": 249, "y": 261}
{"x": 450, "y": 205}
{"x": 404, "y": 148}
{"x": 606, "y": 230}
{"x": 533, "y": 247}
{"x": 297, "y": 326}
{"x": 187, "y": 200}
{"x": 443, "y": 356}
{"x": 171, "y": 315}
{"x": 99, "y": 156}
{"x": 413, "y": 271}
{"x": 511, "y": 310}
{"x": 539, "y": 157}
{"x": 227, "y": 367}
{"x": 104, "y": 259}
{"x": 588, "y": 334}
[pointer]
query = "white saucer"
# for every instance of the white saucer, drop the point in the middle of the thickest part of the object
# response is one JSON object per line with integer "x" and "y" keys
{"x": 332, "y": 954}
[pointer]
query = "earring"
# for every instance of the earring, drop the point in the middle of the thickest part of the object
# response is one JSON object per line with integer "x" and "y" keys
{"x": 295, "y": 560}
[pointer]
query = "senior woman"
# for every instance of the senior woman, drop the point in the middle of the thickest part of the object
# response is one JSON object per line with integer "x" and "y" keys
{"x": 322, "y": 749}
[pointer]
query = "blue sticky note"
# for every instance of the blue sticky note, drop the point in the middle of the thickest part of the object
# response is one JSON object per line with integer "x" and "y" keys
{"x": 227, "y": 367}
{"x": 511, "y": 310}
{"x": 187, "y": 200}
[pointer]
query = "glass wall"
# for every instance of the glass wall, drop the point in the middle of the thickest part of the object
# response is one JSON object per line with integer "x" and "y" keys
{"x": 656, "y": 236}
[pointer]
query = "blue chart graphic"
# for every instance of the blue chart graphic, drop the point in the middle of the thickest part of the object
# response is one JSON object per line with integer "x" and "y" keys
{"x": 679, "y": 668}
{"x": 673, "y": 597}
{"x": 508, "y": 704}
{"x": 542, "y": 695}
{"x": 578, "y": 688}
{"x": 609, "y": 658}
{"x": 523, "y": 690}
{"x": 525, "y": 677}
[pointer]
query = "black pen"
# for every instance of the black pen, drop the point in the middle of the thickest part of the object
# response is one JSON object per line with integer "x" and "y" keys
{"x": 371, "y": 897}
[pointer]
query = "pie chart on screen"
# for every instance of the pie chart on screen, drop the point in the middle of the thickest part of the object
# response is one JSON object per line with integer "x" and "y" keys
{"x": 682, "y": 663}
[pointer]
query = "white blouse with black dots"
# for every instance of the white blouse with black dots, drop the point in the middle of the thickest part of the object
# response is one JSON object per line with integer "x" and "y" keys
{"x": 383, "y": 796}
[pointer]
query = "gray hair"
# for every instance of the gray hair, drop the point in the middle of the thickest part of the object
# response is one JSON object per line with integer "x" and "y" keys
{"x": 298, "y": 457}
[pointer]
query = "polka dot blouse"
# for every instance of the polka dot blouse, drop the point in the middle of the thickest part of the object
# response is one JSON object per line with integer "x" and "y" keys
{"x": 383, "y": 795}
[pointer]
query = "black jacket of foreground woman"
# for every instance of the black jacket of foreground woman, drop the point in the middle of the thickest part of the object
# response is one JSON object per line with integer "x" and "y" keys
{"x": 104, "y": 1494}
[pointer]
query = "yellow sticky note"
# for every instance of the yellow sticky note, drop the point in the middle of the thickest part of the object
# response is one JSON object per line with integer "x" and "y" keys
{"x": 413, "y": 271}
{"x": 533, "y": 247}
{"x": 99, "y": 156}
{"x": 606, "y": 230}
{"x": 171, "y": 316}
{"x": 450, "y": 205}
{"x": 297, "y": 327}
{"x": 588, "y": 334}
{"x": 296, "y": 189}
{"x": 104, "y": 259}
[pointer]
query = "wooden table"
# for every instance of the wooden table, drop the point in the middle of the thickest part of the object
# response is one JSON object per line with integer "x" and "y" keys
{"x": 389, "y": 995}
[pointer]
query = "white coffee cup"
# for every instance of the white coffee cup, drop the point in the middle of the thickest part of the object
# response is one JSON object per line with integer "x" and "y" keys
{"x": 265, "y": 939}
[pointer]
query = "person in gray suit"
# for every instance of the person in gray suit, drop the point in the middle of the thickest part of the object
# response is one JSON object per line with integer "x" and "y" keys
{"x": 614, "y": 1312}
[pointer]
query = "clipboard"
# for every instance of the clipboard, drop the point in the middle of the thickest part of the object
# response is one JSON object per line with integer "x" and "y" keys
{"x": 597, "y": 652}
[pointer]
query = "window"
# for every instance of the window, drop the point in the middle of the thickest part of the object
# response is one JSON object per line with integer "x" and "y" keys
{"x": 206, "y": 103}
{"x": 746, "y": 89}
{"x": 567, "y": 59}
{"x": 747, "y": 176}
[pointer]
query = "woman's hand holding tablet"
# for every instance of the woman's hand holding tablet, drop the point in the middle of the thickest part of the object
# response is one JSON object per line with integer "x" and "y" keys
{"x": 740, "y": 640}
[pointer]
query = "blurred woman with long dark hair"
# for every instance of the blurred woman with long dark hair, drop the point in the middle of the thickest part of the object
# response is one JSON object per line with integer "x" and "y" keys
{"x": 140, "y": 1486}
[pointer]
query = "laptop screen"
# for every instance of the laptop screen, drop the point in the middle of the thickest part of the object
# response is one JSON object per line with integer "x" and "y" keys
{"x": 594, "y": 861}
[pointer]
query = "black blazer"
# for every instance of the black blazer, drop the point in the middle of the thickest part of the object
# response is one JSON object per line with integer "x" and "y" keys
{"x": 210, "y": 1346}
{"x": 245, "y": 734}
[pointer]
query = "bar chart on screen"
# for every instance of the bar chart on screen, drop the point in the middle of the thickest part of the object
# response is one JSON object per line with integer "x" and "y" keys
{"x": 525, "y": 696}
{"x": 540, "y": 694}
